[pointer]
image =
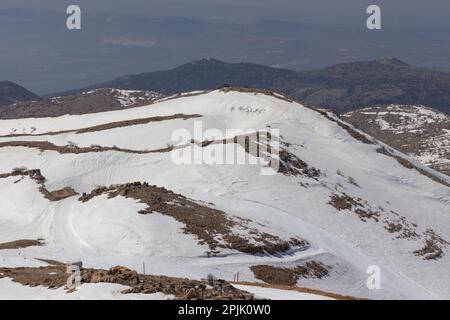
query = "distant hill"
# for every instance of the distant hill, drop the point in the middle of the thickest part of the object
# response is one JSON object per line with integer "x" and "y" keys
{"x": 11, "y": 92}
{"x": 342, "y": 87}
{"x": 203, "y": 74}
{"x": 92, "y": 101}
{"x": 351, "y": 86}
{"x": 420, "y": 132}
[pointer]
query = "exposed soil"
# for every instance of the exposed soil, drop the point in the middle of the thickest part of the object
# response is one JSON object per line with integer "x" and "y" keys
{"x": 344, "y": 202}
{"x": 290, "y": 276}
{"x": 400, "y": 226}
{"x": 404, "y": 162}
{"x": 73, "y": 149}
{"x": 433, "y": 246}
{"x": 253, "y": 144}
{"x": 211, "y": 226}
{"x": 37, "y": 176}
{"x": 128, "y": 123}
{"x": 109, "y": 126}
{"x": 54, "y": 276}
{"x": 58, "y": 195}
{"x": 20, "y": 244}
{"x": 299, "y": 289}
{"x": 408, "y": 129}
{"x": 291, "y": 165}
{"x": 394, "y": 223}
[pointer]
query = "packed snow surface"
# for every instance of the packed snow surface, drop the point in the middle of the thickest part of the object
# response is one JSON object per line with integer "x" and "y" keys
{"x": 105, "y": 232}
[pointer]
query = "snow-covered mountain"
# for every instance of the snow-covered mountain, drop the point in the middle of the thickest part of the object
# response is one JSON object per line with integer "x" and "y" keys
{"x": 421, "y": 132}
{"x": 104, "y": 188}
{"x": 92, "y": 101}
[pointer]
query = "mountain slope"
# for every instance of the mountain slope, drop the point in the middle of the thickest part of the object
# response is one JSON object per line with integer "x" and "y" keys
{"x": 93, "y": 101}
{"x": 11, "y": 92}
{"x": 206, "y": 74}
{"x": 340, "y": 202}
{"x": 340, "y": 87}
{"x": 421, "y": 132}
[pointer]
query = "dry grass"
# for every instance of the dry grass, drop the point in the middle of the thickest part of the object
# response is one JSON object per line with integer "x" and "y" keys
{"x": 433, "y": 246}
{"x": 73, "y": 149}
{"x": 345, "y": 202}
{"x": 20, "y": 244}
{"x": 289, "y": 276}
{"x": 291, "y": 165}
{"x": 206, "y": 223}
{"x": 37, "y": 176}
{"x": 112, "y": 125}
{"x": 299, "y": 289}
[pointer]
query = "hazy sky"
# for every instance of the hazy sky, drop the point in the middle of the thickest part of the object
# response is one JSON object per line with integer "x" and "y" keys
{"x": 120, "y": 37}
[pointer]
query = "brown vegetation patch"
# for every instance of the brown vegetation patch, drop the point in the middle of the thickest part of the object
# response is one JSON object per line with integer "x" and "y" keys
{"x": 211, "y": 226}
{"x": 345, "y": 202}
{"x": 73, "y": 149}
{"x": 290, "y": 276}
{"x": 128, "y": 123}
{"x": 108, "y": 126}
{"x": 20, "y": 244}
{"x": 93, "y": 101}
{"x": 291, "y": 165}
{"x": 395, "y": 224}
{"x": 402, "y": 227}
{"x": 433, "y": 246}
{"x": 54, "y": 276}
{"x": 299, "y": 289}
{"x": 393, "y": 227}
{"x": 58, "y": 195}
{"x": 36, "y": 175}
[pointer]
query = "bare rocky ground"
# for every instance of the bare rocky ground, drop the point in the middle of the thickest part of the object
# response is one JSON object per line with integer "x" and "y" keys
{"x": 420, "y": 132}
{"x": 434, "y": 244}
{"x": 388, "y": 152}
{"x": 299, "y": 289}
{"x": 205, "y": 222}
{"x": 36, "y": 176}
{"x": 109, "y": 126}
{"x": 289, "y": 276}
{"x": 54, "y": 276}
{"x": 20, "y": 244}
{"x": 93, "y": 101}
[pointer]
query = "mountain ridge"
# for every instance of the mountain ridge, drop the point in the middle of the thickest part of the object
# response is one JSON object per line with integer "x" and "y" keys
{"x": 11, "y": 92}
{"x": 342, "y": 87}
{"x": 422, "y": 133}
{"x": 92, "y": 101}
{"x": 340, "y": 201}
